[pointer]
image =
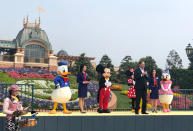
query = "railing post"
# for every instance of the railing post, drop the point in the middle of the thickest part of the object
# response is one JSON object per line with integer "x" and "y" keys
{"x": 185, "y": 99}
{"x": 6, "y": 90}
{"x": 32, "y": 102}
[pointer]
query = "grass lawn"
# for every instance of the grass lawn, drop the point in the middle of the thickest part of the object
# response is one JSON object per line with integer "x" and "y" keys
{"x": 122, "y": 100}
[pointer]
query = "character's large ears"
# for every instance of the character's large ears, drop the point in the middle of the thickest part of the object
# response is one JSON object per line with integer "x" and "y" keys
{"x": 100, "y": 69}
{"x": 129, "y": 72}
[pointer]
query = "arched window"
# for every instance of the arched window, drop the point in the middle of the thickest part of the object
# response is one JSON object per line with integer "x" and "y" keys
{"x": 35, "y": 53}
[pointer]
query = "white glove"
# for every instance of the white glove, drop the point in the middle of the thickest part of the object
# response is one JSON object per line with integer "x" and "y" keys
{"x": 133, "y": 82}
{"x": 108, "y": 84}
{"x": 58, "y": 86}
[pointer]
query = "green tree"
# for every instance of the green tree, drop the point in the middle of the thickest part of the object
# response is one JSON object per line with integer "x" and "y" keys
{"x": 190, "y": 66}
{"x": 173, "y": 60}
{"x": 126, "y": 64}
{"x": 106, "y": 62}
{"x": 150, "y": 64}
{"x": 83, "y": 60}
{"x": 182, "y": 78}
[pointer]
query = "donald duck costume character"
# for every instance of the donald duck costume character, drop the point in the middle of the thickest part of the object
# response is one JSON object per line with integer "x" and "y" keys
{"x": 62, "y": 92}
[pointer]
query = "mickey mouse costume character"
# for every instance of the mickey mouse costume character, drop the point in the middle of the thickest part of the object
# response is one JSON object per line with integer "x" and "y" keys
{"x": 104, "y": 89}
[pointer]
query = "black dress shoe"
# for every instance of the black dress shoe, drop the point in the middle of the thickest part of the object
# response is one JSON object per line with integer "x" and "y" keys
{"x": 106, "y": 111}
{"x": 136, "y": 113}
{"x": 99, "y": 110}
{"x": 145, "y": 113}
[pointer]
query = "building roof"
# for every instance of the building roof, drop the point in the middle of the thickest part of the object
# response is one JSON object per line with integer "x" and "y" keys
{"x": 62, "y": 53}
{"x": 32, "y": 34}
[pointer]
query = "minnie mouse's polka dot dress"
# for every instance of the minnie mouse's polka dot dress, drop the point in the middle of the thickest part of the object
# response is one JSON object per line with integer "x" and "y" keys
{"x": 131, "y": 91}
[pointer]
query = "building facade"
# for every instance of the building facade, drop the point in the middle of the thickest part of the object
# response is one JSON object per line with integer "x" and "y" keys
{"x": 31, "y": 48}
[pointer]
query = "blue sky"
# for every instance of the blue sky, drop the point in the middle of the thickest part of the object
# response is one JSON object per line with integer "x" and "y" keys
{"x": 117, "y": 28}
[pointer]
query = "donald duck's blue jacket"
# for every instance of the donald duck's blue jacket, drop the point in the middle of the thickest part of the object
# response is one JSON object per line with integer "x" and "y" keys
{"x": 63, "y": 82}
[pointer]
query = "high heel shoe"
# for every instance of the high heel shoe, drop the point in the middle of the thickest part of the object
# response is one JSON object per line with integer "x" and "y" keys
{"x": 82, "y": 111}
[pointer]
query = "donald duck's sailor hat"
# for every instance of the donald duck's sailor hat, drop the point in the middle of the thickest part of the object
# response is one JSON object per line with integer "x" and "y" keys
{"x": 61, "y": 63}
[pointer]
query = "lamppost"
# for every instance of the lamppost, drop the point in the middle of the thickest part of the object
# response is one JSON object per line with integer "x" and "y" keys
{"x": 70, "y": 65}
{"x": 189, "y": 52}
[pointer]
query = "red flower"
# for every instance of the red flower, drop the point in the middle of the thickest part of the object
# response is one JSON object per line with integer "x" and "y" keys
{"x": 16, "y": 75}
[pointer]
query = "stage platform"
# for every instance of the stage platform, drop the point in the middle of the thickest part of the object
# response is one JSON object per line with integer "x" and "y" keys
{"x": 115, "y": 121}
{"x": 160, "y": 113}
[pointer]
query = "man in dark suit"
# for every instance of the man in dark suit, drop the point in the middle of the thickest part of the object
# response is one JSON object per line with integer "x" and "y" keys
{"x": 141, "y": 78}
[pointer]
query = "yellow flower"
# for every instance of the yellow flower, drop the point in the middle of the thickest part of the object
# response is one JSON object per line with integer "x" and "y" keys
{"x": 125, "y": 92}
{"x": 116, "y": 87}
{"x": 177, "y": 94}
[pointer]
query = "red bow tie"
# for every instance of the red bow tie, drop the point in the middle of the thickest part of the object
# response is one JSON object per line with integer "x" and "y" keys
{"x": 66, "y": 79}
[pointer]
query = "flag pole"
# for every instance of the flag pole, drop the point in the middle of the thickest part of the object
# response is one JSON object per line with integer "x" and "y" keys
{"x": 39, "y": 15}
{"x": 39, "y": 11}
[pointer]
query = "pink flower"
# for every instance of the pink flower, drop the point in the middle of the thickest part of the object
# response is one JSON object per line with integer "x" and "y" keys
{"x": 16, "y": 75}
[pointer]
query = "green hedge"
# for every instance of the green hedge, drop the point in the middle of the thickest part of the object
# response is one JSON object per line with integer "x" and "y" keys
{"x": 182, "y": 78}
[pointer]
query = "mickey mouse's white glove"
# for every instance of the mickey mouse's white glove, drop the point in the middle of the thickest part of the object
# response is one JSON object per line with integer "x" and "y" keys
{"x": 108, "y": 84}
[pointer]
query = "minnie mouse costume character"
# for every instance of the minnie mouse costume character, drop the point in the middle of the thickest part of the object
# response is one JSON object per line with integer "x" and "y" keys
{"x": 131, "y": 91}
{"x": 131, "y": 84}
{"x": 104, "y": 89}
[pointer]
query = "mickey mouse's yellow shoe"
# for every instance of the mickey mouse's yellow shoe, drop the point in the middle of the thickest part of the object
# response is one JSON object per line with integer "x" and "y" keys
{"x": 133, "y": 110}
{"x": 52, "y": 112}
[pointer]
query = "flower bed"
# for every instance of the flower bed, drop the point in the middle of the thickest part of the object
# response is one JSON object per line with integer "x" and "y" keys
{"x": 180, "y": 102}
{"x": 90, "y": 102}
{"x": 17, "y": 75}
{"x": 44, "y": 102}
{"x": 28, "y": 70}
{"x": 124, "y": 92}
{"x": 116, "y": 87}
